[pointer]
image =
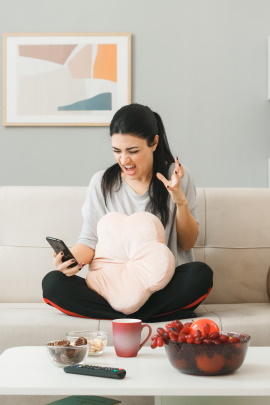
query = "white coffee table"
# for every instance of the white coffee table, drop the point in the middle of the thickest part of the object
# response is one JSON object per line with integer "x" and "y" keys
{"x": 28, "y": 371}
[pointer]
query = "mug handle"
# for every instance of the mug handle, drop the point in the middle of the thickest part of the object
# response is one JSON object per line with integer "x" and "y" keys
{"x": 148, "y": 336}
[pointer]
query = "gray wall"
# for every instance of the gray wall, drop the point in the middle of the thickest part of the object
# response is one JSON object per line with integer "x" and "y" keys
{"x": 202, "y": 64}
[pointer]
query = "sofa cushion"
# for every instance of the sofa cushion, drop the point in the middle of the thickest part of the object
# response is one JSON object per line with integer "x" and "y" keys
{"x": 131, "y": 260}
{"x": 35, "y": 324}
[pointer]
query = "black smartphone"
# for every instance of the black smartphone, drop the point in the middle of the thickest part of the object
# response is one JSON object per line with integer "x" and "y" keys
{"x": 59, "y": 246}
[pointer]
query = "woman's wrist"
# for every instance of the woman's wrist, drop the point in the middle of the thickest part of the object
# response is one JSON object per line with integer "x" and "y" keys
{"x": 180, "y": 201}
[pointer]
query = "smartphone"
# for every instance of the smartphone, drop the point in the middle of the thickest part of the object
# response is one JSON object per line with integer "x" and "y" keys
{"x": 59, "y": 246}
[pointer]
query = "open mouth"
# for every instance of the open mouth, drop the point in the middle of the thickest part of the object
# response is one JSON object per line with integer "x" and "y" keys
{"x": 130, "y": 170}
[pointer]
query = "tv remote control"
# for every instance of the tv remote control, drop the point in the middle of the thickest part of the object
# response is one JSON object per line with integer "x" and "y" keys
{"x": 96, "y": 371}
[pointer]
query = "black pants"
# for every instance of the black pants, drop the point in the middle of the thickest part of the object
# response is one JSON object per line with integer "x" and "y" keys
{"x": 189, "y": 286}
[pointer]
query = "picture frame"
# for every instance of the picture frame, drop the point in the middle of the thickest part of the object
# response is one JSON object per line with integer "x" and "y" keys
{"x": 65, "y": 79}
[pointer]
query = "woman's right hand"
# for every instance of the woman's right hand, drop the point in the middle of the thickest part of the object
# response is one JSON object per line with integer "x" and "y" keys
{"x": 63, "y": 266}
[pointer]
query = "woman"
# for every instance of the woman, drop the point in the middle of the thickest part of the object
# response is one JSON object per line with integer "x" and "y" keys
{"x": 146, "y": 177}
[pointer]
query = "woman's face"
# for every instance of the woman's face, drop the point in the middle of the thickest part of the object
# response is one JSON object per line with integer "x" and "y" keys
{"x": 133, "y": 155}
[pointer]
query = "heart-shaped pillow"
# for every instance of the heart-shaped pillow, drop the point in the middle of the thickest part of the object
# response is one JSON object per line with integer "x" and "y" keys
{"x": 131, "y": 260}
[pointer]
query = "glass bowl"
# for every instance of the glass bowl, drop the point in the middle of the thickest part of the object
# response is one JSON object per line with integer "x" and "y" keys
{"x": 66, "y": 355}
{"x": 208, "y": 359}
{"x": 97, "y": 340}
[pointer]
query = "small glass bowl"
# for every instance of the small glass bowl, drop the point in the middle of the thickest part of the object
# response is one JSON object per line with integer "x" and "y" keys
{"x": 62, "y": 356}
{"x": 97, "y": 340}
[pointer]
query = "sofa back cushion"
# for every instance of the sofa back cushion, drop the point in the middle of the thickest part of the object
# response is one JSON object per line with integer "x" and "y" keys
{"x": 27, "y": 216}
{"x": 235, "y": 242}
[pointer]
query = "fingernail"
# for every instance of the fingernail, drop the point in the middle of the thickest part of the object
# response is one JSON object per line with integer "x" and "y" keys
{"x": 175, "y": 172}
{"x": 177, "y": 157}
{"x": 168, "y": 186}
{"x": 73, "y": 260}
{"x": 82, "y": 264}
{"x": 179, "y": 164}
{"x": 62, "y": 253}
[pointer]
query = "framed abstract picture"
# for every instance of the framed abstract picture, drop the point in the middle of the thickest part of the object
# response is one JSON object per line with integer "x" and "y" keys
{"x": 65, "y": 79}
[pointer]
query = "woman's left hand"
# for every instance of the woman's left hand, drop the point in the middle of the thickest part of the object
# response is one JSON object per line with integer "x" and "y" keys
{"x": 174, "y": 185}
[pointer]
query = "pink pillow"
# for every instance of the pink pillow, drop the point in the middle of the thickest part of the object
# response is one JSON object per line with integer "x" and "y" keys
{"x": 131, "y": 260}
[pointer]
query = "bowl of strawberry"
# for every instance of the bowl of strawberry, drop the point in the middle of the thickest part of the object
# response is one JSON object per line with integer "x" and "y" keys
{"x": 200, "y": 348}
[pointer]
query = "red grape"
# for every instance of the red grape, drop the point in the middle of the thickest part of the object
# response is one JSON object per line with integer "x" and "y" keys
{"x": 185, "y": 330}
{"x": 160, "y": 342}
{"x": 179, "y": 326}
{"x": 234, "y": 339}
{"x": 190, "y": 339}
{"x": 154, "y": 344}
{"x": 173, "y": 336}
{"x": 188, "y": 323}
{"x": 160, "y": 331}
{"x": 172, "y": 329}
{"x": 154, "y": 337}
{"x": 214, "y": 335}
{"x": 181, "y": 338}
{"x": 165, "y": 336}
{"x": 223, "y": 338}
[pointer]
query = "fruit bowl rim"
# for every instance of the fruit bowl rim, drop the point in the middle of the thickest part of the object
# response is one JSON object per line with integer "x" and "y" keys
{"x": 246, "y": 337}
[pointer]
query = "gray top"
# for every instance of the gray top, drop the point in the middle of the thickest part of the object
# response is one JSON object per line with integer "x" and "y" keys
{"x": 126, "y": 201}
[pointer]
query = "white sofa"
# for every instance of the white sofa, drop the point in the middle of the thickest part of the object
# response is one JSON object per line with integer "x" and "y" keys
{"x": 234, "y": 240}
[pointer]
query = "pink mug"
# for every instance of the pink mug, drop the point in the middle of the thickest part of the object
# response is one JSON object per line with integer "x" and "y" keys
{"x": 127, "y": 336}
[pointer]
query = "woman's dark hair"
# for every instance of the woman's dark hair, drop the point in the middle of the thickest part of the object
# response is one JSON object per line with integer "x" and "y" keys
{"x": 141, "y": 121}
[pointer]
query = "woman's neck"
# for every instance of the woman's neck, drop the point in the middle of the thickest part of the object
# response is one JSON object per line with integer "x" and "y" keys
{"x": 139, "y": 186}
